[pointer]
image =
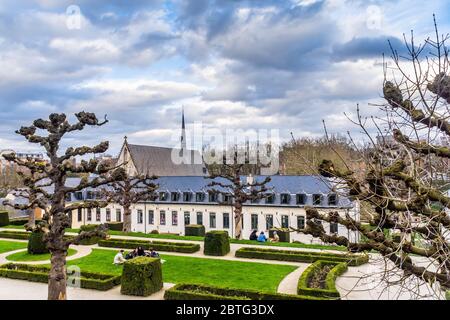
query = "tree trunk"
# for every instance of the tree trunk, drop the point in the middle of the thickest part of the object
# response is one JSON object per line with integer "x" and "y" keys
{"x": 238, "y": 223}
{"x": 126, "y": 219}
{"x": 57, "y": 278}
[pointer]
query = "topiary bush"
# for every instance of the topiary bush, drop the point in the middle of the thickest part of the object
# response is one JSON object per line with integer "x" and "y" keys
{"x": 36, "y": 243}
{"x": 217, "y": 243}
{"x": 141, "y": 276}
{"x": 154, "y": 232}
{"x": 194, "y": 230}
{"x": 4, "y": 218}
{"x": 115, "y": 226}
{"x": 147, "y": 245}
{"x": 284, "y": 234}
{"x": 92, "y": 240}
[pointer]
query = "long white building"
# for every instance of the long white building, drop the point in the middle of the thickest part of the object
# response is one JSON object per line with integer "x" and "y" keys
{"x": 185, "y": 200}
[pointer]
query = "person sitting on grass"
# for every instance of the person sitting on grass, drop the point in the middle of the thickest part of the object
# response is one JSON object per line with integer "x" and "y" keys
{"x": 253, "y": 235}
{"x": 261, "y": 237}
{"x": 118, "y": 258}
{"x": 153, "y": 253}
{"x": 131, "y": 255}
{"x": 276, "y": 237}
{"x": 140, "y": 252}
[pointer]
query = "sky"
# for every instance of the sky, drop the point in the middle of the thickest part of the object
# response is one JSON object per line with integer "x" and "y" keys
{"x": 249, "y": 65}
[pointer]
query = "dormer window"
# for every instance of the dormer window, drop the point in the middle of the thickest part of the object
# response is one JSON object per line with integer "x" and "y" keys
{"x": 301, "y": 199}
{"x": 317, "y": 199}
{"x": 78, "y": 195}
{"x": 89, "y": 195}
{"x": 270, "y": 198}
{"x": 199, "y": 197}
{"x": 174, "y": 196}
{"x": 163, "y": 196}
{"x": 187, "y": 196}
{"x": 227, "y": 198}
{"x": 212, "y": 197}
{"x": 285, "y": 198}
{"x": 332, "y": 199}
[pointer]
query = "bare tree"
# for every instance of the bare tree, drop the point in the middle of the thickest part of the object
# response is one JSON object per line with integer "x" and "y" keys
{"x": 238, "y": 191}
{"x": 406, "y": 174}
{"x": 129, "y": 191}
{"x": 54, "y": 174}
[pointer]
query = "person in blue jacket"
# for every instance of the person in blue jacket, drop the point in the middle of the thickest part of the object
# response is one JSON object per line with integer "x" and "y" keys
{"x": 262, "y": 237}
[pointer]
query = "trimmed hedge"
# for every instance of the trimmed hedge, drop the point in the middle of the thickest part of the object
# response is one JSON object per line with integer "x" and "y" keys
{"x": 300, "y": 256}
{"x": 284, "y": 234}
{"x": 92, "y": 240}
{"x": 39, "y": 273}
{"x": 447, "y": 295}
{"x": 141, "y": 276}
{"x": 147, "y": 245}
{"x": 184, "y": 291}
{"x": 194, "y": 230}
{"x": 18, "y": 221}
{"x": 330, "y": 291}
{"x": 4, "y": 218}
{"x": 217, "y": 243}
{"x": 36, "y": 243}
{"x": 115, "y": 226}
{"x": 20, "y": 235}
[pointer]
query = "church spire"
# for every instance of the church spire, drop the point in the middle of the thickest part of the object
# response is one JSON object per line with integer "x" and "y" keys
{"x": 183, "y": 130}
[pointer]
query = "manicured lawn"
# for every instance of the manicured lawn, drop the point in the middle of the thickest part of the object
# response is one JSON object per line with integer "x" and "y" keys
{"x": 177, "y": 269}
{"x": 25, "y": 256}
{"x": 13, "y": 227}
{"x": 6, "y": 246}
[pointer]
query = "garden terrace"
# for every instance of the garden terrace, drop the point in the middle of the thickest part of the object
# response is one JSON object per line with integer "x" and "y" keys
{"x": 300, "y": 256}
{"x": 319, "y": 278}
{"x": 147, "y": 245}
{"x": 205, "y": 292}
{"x": 203, "y": 271}
{"x": 34, "y": 273}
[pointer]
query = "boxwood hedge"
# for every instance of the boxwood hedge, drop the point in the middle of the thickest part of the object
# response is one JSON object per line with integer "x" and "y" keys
{"x": 194, "y": 230}
{"x": 36, "y": 243}
{"x": 115, "y": 226}
{"x": 217, "y": 243}
{"x": 91, "y": 240}
{"x": 300, "y": 256}
{"x": 447, "y": 295}
{"x": 39, "y": 273}
{"x": 20, "y": 235}
{"x": 184, "y": 291}
{"x": 4, "y": 218}
{"x": 147, "y": 245}
{"x": 141, "y": 276}
{"x": 329, "y": 291}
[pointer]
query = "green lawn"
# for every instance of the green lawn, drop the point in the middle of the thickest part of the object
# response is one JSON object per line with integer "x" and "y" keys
{"x": 13, "y": 227}
{"x": 25, "y": 256}
{"x": 177, "y": 269}
{"x": 6, "y": 246}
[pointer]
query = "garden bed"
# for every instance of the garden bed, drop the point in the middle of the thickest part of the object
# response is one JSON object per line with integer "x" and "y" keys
{"x": 300, "y": 256}
{"x": 206, "y": 292}
{"x": 20, "y": 235}
{"x": 35, "y": 273}
{"x": 319, "y": 278}
{"x": 156, "y": 245}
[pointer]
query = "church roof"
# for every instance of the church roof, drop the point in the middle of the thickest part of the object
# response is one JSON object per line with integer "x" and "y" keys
{"x": 158, "y": 161}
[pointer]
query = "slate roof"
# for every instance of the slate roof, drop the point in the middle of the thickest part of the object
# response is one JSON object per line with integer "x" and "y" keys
{"x": 158, "y": 161}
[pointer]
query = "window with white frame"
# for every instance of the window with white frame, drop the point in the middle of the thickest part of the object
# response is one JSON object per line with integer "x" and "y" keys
{"x": 151, "y": 217}
{"x": 174, "y": 218}
{"x": 212, "y": 220}
{"x": 140, "y": 216}
{"x": 162, "y": 217}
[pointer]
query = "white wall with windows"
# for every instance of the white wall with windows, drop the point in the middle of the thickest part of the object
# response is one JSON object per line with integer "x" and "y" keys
{"x": 172, "y": 218}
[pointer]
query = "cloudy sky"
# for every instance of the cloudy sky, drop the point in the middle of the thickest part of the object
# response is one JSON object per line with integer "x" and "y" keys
{"x": 254, "y": 64}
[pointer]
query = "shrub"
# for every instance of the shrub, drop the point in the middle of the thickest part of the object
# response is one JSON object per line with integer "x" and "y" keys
{"x": 141, "y": 276}
{"x": 18, "y": 221}
{"x": 217, "y": 243}
{"x": 154, "y": 232}
{"x": 4, "y": 218}
{"x": 36, "y": 243}
{"x": 204, "y": 292}
{"x": 15, "y": 235}
{"x": 300, "y": 256}
{"x": 115, "y": 226}
{"x": 91, "y": 240}
{"x": 156, "y": 245}
{"x": 194, "y": 230}
{"x": 39, "y": 273}
{"x": 447, "y": 295}
{"x": 283, "y": 233}
{"x": 329, "y": 291}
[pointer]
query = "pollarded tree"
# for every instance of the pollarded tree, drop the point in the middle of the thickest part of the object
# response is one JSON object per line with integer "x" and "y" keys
{"x": 237, "y": 189}
{"x": 55, "y": 173}
{"x": 405, "y": 180}
{"x": 129, "y": 191}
